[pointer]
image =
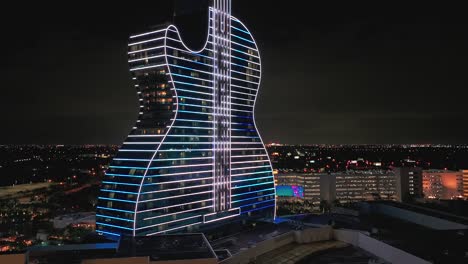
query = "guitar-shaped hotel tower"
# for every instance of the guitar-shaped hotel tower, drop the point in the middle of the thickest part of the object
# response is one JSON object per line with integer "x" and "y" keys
{"x": 194, "y": 157}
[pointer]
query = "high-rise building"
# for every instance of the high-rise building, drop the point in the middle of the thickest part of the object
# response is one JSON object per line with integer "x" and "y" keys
{"x": 442, "y": 184}
{"x": 409, "y": 183}
{"x": 194, "y": 156}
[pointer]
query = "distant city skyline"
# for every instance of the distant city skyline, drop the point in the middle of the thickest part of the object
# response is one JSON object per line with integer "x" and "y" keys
{"x": 332, "y": 74}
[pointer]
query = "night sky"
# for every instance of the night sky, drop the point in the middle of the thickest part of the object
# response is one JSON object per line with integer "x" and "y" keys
{"x": 332, "y": 74}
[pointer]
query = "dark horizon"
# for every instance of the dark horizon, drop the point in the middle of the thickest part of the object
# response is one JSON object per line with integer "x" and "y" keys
{"x": 332, "y": 74}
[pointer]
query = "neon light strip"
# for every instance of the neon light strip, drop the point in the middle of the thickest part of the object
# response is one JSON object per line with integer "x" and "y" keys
{"x": 147, "y": 67}
{"x": 198, "y": 99}
{"x": 108, "y": 233}
{"x": 180, "y": 212}
{"x": 193, "y": 120}
{"x": 190, "y": 69}
{"x": 242, "y": 156}
{"x": 249, "y": 173}
{"x": 249, "y": 61}
{"x": 148, "y": 33}
{"x": 173, "y": 221}
{"x": 113, "y": 209}
{"x": 190, "y": 91}
{"x": 173, "y": 197}
{"x": 181, "y": 173}
{"x": 120, "y": 227}
{"x": 117, "y": 200}
{"x": 244, "y": 99}
{"x": 179, "y": 188}
{"x": 253, "y": 179}
{"x": 241, "y": 30}
{"x": 241, "y": 80}
{"x": 242, "y": 87}
{"x": 249, "y": 161}
{"x": 232, "y": 35}
{"x": 145, "y": 41}
{"x": 116, "y": 191}
{"x": 256, "y": 197}
{"x": 246, "y": 74}
{"x": 240, "y": 194}
{"x": 141, "y": 143}
{"x": 123, "y": 175}
{"x": 147, "y": 58}
{"x": 248, "y": 54}
{"x": 244, "y": 67}
{"x": 251, "y": 185}
{"x": 167, "y": 207}
{"x": 221, "y": 218}
{"x": 190, "y": 77}
{"x": 145, "y": 135}
{"x": 192, "y": 61}
{"x": 179, "y": 181}
{"x": 113, "y": 217}
{"x": 138, "y": 51}
{"x": 120, "y": 183}
{"x": 187, "y": 52}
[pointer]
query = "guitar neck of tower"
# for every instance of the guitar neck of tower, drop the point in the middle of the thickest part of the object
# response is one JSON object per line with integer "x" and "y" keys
{"x": 222, "y": 6}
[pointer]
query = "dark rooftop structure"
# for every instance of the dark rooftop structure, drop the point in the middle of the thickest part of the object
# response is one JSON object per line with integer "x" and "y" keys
{"x": 157, "y": 248}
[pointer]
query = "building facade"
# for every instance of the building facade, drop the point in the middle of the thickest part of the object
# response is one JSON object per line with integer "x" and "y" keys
{"x": 347, "y": 186}
{"x": 409, "y": 183}
{"x": 442, "y": 184}
{"x": 194, "y": 156}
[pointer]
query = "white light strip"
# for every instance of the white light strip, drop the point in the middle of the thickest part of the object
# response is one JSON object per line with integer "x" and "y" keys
{"x": 147, "y": 58}
{"x": 248, "y": 161}
{"x": 189, "y": 180}
{"x": 254, "y": 179}
{"x": 180, "y": 212}
{"x": 173, "y": 221}
{"x": 148, "y": 33}
{"x": 249, "y": 168}
{"x": 241, "y": 80}
{"x": 173, "y": 197}
{"x": 145, "y": 41}
{"x": 167, "y": 207}
{"x": 148, "y": 67}
{"x": 242, "y": 87}
{"x": 142, "y": 50}
{"x": 181, "y": 173}
{"x": 250, "y": 173}
{"x": 221, "y": 218}
{"x": 246, "y": 74}
{"x": 242, "y": 156}
{"x": 237, "y": 98}
{"x": 179, "y": 188}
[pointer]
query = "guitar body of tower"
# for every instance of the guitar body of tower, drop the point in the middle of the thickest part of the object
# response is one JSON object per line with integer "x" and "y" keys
{"x": 194, "y": 157}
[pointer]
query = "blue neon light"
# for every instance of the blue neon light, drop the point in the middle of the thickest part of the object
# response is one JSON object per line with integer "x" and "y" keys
{"x": 240, "y": 194}
{"x": 113, "y": 217}
{"x": 113, "y": 209}
{"x": 121, "y": 227}
{"x": 117, "y": 200}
